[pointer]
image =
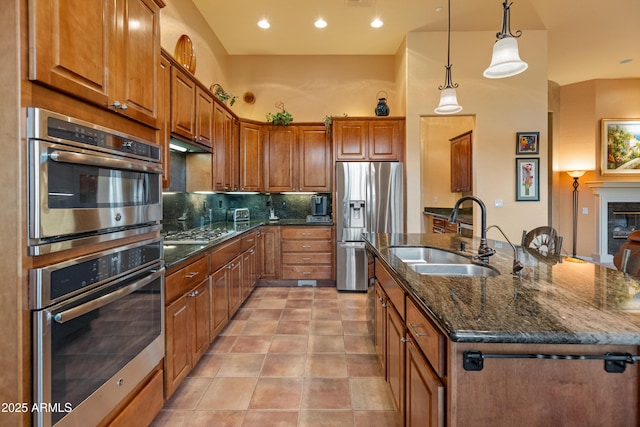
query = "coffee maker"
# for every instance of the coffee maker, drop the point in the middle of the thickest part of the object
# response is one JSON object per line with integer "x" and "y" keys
{"x": 319, "y": 209}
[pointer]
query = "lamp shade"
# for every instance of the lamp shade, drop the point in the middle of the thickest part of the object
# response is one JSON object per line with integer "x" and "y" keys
{"x": 575, "y": 174}
{"x": 448, "y": 102}
{"x": 505, "y": 61}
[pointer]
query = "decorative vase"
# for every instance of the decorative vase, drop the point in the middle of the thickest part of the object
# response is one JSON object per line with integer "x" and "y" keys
{"x": 382, "y": 109}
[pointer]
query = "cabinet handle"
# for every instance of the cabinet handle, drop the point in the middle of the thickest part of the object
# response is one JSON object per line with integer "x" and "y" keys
{"x": 192, "y": 274}
{"x": 415, "y": 330}
{"x": 193, "y": 294}
{"x": 306, "y": 246}
{"x": 385, "y": 305}
{"x": 306, "y": 259}
{"x": 306, "y": 273}
{"x": 403, "y": 340}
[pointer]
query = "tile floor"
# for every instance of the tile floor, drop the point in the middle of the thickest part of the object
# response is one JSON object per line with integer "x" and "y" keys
{"x": 289, "y": 357}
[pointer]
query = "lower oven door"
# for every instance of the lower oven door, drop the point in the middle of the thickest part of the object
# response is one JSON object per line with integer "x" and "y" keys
{"x": 93, "y": 350}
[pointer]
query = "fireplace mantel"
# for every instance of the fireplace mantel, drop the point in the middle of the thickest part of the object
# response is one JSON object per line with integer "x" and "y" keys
{"x": 607, "y": 192}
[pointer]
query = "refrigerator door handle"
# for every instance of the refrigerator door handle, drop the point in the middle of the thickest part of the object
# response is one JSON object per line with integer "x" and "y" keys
{"x": 354, "y": 245}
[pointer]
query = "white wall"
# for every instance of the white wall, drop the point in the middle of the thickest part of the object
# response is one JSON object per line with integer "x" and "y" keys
{"x": 502, "y": 107}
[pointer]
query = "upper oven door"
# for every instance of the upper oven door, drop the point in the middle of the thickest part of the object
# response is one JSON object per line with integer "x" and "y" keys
{"x": 74, "y": 190}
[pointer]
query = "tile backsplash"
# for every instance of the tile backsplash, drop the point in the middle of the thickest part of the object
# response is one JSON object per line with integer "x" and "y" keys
{"x": 190, "y": 210}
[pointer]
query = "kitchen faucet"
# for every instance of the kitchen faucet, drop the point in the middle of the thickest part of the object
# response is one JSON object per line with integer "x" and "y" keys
{"x": 484, "y": 251}
{"x": 517, "y": 265}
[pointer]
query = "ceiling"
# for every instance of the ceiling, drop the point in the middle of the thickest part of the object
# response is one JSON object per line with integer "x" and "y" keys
{"x": 588, "y": 39}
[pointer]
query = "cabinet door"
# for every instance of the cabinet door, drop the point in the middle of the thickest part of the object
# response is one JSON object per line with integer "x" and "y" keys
{"x": 280, "y": 162}
{"x": 259, "y": 253}
{"x": 71, "y": 42}
{"x": 219, "y": 302}
{"x": 424, "y": 392}
{"x": 164, "y": 118}
{"x": 204, "y": 117}
{"x": 177, "y": 361}
{"x": 385, "y": 140}
{"x": 234, "y": 277}
{"x": 250, "y": 157}
{"x": 199, "y": 311}
{"x": 183, "y": 95}
{"x": 461, "y": 163}
{"x": 271, "y": 256}
{"x": 219, "y": 149}
{"x": 314, "y": 154}
{"x": 231, "y": 135}
{"x": 350, "y": 139}
{"x": 395, "y": 357}
{"x": 380, "y": 326}
{"x": 136, "y": 56}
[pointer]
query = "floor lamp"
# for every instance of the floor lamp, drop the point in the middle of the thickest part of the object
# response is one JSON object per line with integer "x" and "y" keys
{"x": 575, "y": 175}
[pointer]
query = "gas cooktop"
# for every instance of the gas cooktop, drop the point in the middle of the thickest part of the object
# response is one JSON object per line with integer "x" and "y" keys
{"x": 196, "y": 236}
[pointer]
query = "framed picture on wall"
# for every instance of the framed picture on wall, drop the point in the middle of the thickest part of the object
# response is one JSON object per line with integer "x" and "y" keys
{"x": 527, "y": 179}
{"x": 527, "y": 142}
{"x": 620, "y": 147}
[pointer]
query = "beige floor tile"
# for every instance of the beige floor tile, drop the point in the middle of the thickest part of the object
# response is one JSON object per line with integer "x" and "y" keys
{"x": 321, "y": 313}
{"x": 289, "y": 344}
{"x": 264, "y": 418}
{"x": 296, "y": 314}
{"x": 277, "y": 293}
{"x": 234, "y": 327}
{"x": 251, "y": 303}
{"x": 326, "y": 293}
{"x": 301, "y": 293}
{"x": 242, "y": 365}
{"x": 208, "y": 365}
{"x": 251, "y": 344}
{"x": 299, "y": 303}
{"x": 325, "y": 303}
{"x": 376, "y": 419}
{"x": 271, "y": 303}
{"x": 277, "y": 393}
{"x": 355, "y": 327}
{"x": 222, "y": 344}
{"x": 283, "y": 365}
{"x": 217, "y": 419}
{"x": 188, "y": 394}
{"x": 172, "y": 418}
{"x": 351, "y": 313}
{"x": 260, "y": 314}
{"x": 359, "y": 344}
{"x": 228, "y": 394}
{"x": 263, "y": 327}
{"x": 243, "y": 313}
{"x": 315, "y": 418}
{"x": 371, "y": 394}
{"x": 326, "y": 327}
{"x": 326, "y": 344}
{"x": 363, "y": 365}
{"x": 326, "y": 393}
{"x": 326, "y": 365}
{"x": 293, "y": 327}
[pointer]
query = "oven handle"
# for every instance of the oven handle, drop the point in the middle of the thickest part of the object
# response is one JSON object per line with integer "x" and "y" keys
{"x": 88, "y": 159}
{"x": 74, "y": 312}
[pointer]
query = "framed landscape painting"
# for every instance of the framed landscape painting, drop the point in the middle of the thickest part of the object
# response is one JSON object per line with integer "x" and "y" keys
{"x": 527, "y": 179}
{"x": 527, "y": 142}
{"x": 620, "y": 147}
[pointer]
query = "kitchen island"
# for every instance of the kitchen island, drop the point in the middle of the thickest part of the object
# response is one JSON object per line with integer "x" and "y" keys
{"x": 507, "y": 349}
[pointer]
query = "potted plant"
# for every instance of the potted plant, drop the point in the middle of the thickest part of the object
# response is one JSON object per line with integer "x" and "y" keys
{"x": 282, "y": 118}
{"x": 223, "y": 95}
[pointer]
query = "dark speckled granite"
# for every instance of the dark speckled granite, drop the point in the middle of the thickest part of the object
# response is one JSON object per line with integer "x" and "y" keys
{"x": 567, "y": 302}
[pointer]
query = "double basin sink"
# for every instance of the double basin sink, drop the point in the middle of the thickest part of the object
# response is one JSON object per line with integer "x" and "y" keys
{"x": 430, "y": 261}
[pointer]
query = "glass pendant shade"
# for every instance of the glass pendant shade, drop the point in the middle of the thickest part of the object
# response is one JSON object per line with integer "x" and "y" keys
{"x": 448, "y": 102}
{"x": 505, "y": 61}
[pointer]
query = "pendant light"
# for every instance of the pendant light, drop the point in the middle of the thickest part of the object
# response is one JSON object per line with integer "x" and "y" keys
{"x": 448, "y": 98}
{"x": 505, "y": 61}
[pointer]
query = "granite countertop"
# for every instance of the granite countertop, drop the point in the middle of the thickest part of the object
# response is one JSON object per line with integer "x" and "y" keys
{"x": 561, "y": 303}
{"x": 178, "y": 253}
{"x": 464, "y": 215}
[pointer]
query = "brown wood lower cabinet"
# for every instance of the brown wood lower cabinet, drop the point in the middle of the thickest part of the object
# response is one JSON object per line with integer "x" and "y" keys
{"x": 219, "y": 301}
{"x": 424, "y": 392}
{"x": 395, "y": 357}
{"x": 307, "y": 252}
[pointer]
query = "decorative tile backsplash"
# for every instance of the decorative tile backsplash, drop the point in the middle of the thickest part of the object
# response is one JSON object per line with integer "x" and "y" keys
{"x": 190, "y": 210}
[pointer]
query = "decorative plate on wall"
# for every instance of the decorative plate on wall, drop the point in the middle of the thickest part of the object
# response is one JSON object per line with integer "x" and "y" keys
{"x": 185, "y": 54}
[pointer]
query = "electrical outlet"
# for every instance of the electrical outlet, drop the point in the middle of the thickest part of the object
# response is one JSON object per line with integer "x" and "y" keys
{"x": 585, "y": 211}
{"x": 497, "y": 203}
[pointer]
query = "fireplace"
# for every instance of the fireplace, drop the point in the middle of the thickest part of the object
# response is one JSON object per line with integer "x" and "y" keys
{"x": 617, "y": 215}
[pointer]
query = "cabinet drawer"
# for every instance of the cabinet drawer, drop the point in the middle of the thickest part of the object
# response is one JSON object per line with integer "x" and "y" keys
{"x": 184, "y": 279}
{"x": 305, "y": 259}
{"x": 391, "y": 288}
{"x": 224, "y": 253}
{"x": 248, "y": 241}
{"x": 429, "y": 339}
{"x": 306, "y": 272}
{"x": 304, "y": 233}
{"x": 307, "y": 246}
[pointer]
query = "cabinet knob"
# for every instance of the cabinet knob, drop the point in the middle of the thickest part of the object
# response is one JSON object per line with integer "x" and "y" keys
{"x": 403, "y": 340}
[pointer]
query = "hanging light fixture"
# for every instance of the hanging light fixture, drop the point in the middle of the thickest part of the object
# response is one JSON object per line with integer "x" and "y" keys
{"x": 448, "y": 98}
{"x": 505, "y": 61}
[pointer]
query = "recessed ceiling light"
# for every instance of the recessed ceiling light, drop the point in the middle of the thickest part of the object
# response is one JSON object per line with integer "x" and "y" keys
{"x": 377, "y": 23}
{"x": 320, "y": 23}
{"x": 264, "y": 24}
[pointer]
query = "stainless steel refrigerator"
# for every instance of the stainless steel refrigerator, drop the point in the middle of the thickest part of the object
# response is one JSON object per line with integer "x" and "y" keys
{"x": 369, "y": 199}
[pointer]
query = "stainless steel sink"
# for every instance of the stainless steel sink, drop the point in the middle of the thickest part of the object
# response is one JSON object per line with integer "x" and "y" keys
{"x": 466, "y": 270}
{"x": 423, "y": 254}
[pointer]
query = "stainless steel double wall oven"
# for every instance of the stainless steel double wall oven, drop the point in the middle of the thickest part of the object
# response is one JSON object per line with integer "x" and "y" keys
{"x": 97, "y": 317}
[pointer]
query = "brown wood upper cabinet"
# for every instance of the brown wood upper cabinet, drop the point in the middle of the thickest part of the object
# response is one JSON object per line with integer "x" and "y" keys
{"x": 369, "y": 139}
{"x": 461, "y": 163}
{"x": 191, "y": 108}
{"x": 250, "y": 156}
{"x": 296, "y": 158}
{"x": 105, "y": 52}
{"x": 225, "y": 150}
